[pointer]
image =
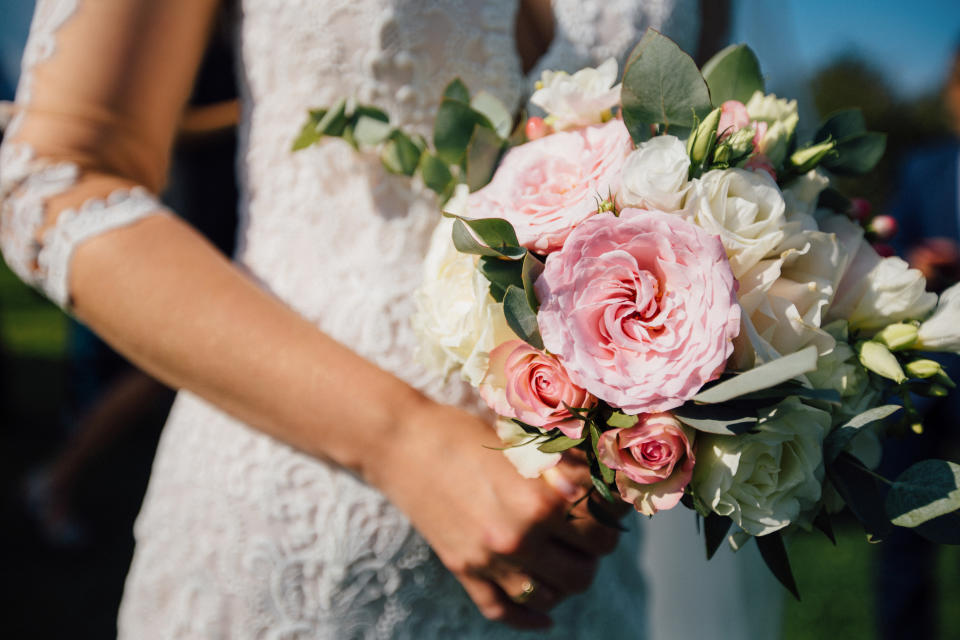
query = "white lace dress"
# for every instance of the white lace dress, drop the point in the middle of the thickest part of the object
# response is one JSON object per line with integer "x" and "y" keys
{"x": 240, "y": 536}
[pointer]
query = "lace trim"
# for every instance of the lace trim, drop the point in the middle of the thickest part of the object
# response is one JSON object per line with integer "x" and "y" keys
{"x": 121, "y": 208}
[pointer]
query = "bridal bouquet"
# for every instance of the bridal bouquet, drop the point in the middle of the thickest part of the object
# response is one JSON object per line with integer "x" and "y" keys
{"x": 659, "y": 274}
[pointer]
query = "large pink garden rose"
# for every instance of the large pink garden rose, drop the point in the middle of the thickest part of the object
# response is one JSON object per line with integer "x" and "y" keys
{"x": 532, "y": 386}
{"x": 653, "y": 460}
{"x": 641, "y": 309}
{"x": 546, "y": 187}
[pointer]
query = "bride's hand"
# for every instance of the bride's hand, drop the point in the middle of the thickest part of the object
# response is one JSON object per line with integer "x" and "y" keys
{"x": 501, "y": 535}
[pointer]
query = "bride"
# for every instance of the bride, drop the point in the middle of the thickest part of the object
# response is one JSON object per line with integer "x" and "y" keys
{"x": 312, "y": 480}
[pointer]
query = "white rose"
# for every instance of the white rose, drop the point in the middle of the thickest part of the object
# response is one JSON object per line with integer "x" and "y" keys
{"x": 839, "y": 370}
{"x": 457, "y": 321}
{"x": 580, "y": 99}
{"x": 800, "y": 197}
{"x": 655, "y": 175}
{"x": 781, "y": 117}
{"x": 941, "y": 331}
{"x": 784, "y": 297}
{"x": 744, "y": 208}
{"x": 769, "y": 479}
{"x": 874, "y": 291}
{"x": 529, "y": 461}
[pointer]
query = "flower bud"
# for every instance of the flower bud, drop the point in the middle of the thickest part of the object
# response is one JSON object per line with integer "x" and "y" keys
{"x": 702, "y": 141}
{"x": 897, "y": 336}
{"x": 883, "y": 249}
{"x": 883, "y": 227}
{"x": 804, "y": 160}
{"x": 536, "y": 128}
{"x": 877, "y": 358}
{"x": 741, "y": 141}
{"x": 923, "y": 368}
{"x": 860, "y": 209}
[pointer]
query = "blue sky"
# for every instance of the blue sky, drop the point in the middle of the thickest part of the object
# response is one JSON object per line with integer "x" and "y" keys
{"x": 912, "y": 41}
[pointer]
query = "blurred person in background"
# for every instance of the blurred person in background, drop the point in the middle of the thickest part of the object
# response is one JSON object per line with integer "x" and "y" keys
{"x": 926, "y": 206}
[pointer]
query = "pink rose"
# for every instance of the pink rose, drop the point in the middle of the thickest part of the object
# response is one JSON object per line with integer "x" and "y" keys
{"x": 653, "y": 460}
{"x": 546, "y": 187}
{"x": 533, "y": 387}
{"x": 641, "y": 309}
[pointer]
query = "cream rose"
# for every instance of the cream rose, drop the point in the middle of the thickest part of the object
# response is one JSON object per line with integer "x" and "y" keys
{"x": 577, "y": 100}
{"x": 655, "y": 175}
{"x": 744, "y": 208}
{"x": 457, "y": 321}
{"x": 769, "y": 479}
{"x": 521, "y": 450}
{"x": 941, "y": 331}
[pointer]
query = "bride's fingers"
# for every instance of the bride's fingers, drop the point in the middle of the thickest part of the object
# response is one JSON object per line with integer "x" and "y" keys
{"x": 527, "y": 591}
{"x": 559, "y": 567}
{"x": 495, "y": 604}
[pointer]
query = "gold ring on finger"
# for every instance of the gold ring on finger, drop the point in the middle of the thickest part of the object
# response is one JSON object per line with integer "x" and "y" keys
{"x": 527, "y": 589}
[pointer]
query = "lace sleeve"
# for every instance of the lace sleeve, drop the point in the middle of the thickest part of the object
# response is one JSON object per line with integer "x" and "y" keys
{"x": 101, "y": 89}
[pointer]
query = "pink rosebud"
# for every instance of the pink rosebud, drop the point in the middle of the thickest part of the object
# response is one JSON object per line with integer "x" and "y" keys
{"x": 641, "y": 309}
{"x": 536, "y": 128}
{"x": 533, "y": 387}
{"x": 883, "y": 227}
{"x": 733, "y": 117}
{"x": 546, "y": 187}
{"x": 653, "y": 459}
{"x": 860, "y": 209}
{"x": 884, "y": 250}
{"x": 760, "y": 162}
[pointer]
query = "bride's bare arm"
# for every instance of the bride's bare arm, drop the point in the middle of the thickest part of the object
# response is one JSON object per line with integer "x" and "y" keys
{"x": 107, "y": 102}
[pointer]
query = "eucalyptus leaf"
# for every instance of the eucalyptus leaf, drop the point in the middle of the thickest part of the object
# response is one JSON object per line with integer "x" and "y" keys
{"x": 927, "y": 490}
{"x": 520, "y": 317}
{"x": 307, "y": 136}
{"x": 453, "y": 129}
{"x": 457, "y": 90}
{"x": 839, "y": 438}
{"x": 560, "y": 443}
{"x": 823, "y": 524}
{"x": 371, "y": 131}
{"x": 863, "y": 492}
{"x": 400, "y": 155}
{"x": 720, "y": 419}
{"x": 502, "y": 273}
{"x": 715, "y": 529}
{"x": 841, "y": 125}
{"x": 662, "y": 85}
{"x": 603, "y": 489}
{"x": 464, "y": 241}
{"x": 334, "y": 120}
{"x": 733, "y": 74}
{"x": 857, "y": 156}
{"x": 495, "y": 111}
{"x": 496, "y": 233}
{"x": 774, "y": 553}
{"x": 762, "y": 377}
{"x": 483, "y": 154}
{"x": 436, "y": 174}
{"x": 530, "y": 271}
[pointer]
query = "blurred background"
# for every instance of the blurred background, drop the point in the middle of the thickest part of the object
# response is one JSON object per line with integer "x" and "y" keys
{"x": 78, "y": 426}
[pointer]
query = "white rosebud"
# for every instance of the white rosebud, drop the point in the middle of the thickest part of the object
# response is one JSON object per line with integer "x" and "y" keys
{"x": 580, "y": 99}
{"x": 522, "y": 452}
{"x": 655, "y": 175}
{"x": 941, "y": 331}
{"x": 744, "y": 208}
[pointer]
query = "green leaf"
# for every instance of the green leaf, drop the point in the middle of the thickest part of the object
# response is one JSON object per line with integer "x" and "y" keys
{"x": 774, "y": 554}
{"x": 532, "y": 268}
{"x": 841, "y": 125}
{"x": 436, "y": 174}
{"x": 715, "y": 529}
{"x": 839, "y": 438}
{"x": 560, "y": 443}
{"x": 334, "y": 120}
{"x": 400, "y": 155}
{"x": 502, "y": 273}
{"x": 603, "y": 489}
{"x": 483, "y": 154}
{"x": 456, "y": 90}
{"x": 720, "y": 419}
{"x": 464, "y": 241}
{"x": 927, "y": 490}
{"x": 453, "y": 129}
{"x": 857, "y": 156}
{"x": 371, "y": 131}
{"x": 863, "y": 492}
{"x": 733, "y": 74}
{"x": 308, "y": 132}
{"x": 520, "y": 317}
{"x": 604, "y": 517}
{"x": 791, "y": 388}
{"x": 762, "y": 377}
{"x": 494, "y": 110}
{"x": 662, "y": 85}
{"x": 822, "y": 522}
{"x": 496, "y": 233}
{"x": 620, "y": 420}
